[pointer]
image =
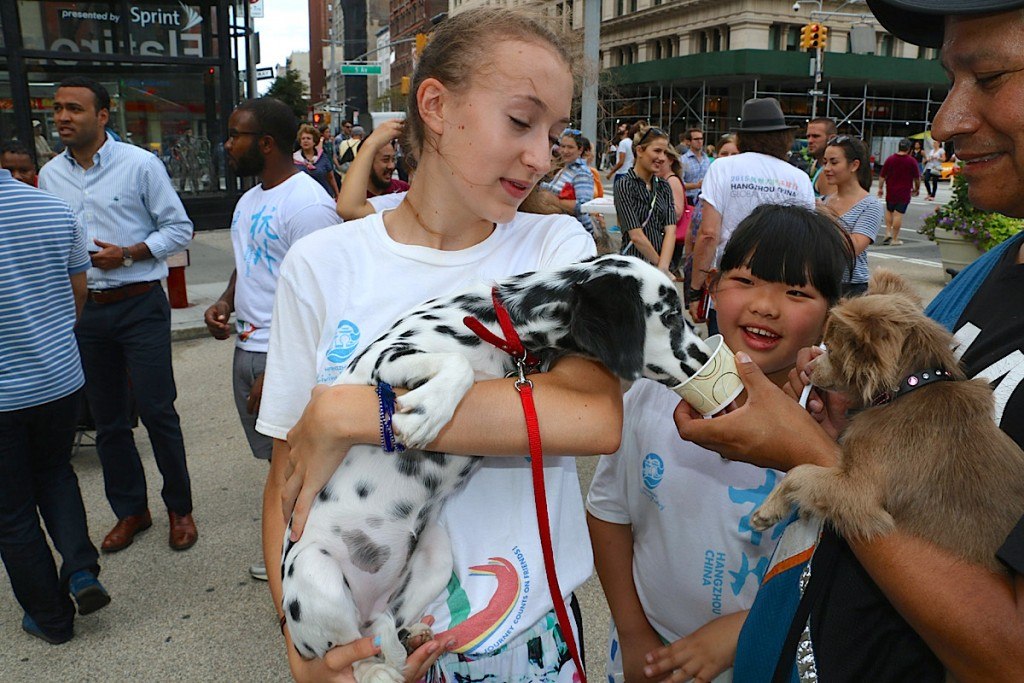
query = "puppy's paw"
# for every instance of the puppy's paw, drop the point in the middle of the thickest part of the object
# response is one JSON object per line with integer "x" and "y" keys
{"x": 370, "y": 671}
{"x": 423, "y": 414}
{"x": 418, "y": 635}
{"x": 774, "y": 508}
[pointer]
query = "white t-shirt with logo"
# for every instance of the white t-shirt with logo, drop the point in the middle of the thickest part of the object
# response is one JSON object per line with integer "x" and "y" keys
{"x": 738, "y": 184}
{"x": 341, "y": 289}
{"x": 265, "y": 225}
{"x": 695, "y": 557}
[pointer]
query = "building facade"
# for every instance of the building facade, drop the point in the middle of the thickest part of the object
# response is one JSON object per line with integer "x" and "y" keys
{"x": 173, "y": 76}
{"x": 683, "y": 63}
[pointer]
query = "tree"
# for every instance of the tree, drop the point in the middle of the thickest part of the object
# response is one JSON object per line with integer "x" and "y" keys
{"x": 292, "y": 91}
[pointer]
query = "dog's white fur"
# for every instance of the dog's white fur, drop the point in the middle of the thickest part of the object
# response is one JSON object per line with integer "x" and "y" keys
{"x": 372, "y": 556}
{"x": 933, "y": 462}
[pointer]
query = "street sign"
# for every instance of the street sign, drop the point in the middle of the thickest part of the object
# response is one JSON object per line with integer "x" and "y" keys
{"x": 360, "y": 69}
{"x": 264, "y": 73}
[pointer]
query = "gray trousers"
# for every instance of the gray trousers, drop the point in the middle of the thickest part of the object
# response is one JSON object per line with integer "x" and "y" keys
{"x": 246, "y": 367}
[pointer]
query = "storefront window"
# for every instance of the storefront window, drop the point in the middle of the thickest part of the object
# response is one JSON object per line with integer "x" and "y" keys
{"x": 169, "y": 111}
{"x": 164, "y": 29}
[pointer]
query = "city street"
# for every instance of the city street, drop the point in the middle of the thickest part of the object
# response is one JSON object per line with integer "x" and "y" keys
{"x": 197, "y": 616}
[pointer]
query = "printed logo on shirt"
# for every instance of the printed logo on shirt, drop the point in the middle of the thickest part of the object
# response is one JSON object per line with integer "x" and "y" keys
{"x": 652, "y": 471}
{"x": 746, "y": 185}
{"x": 261, "y": 236}
{"x": 1006, "y": 375}
{"x": 734, "y": 570}
{"x": 346, "y": 339}
{"x": 510, "y": 595}
{"x": 245, "y": 329}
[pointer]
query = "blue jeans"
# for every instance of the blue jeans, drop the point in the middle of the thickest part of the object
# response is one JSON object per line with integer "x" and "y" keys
{"x": 36, "y": 474}
{"x": 131, "y": 340}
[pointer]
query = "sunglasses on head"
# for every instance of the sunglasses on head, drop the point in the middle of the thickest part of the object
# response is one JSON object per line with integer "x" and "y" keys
{"x": 656, "y": 132}
{"x": 840, "y": 139}
{"x": 571, "y": 131}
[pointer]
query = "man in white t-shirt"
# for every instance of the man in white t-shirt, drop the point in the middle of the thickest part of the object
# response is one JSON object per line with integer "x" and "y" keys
{"x": 736, "y": 185}
{"x": 285, "y": 206}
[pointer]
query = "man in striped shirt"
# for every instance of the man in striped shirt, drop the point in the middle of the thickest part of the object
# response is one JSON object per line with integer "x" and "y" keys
{"x": 133, "y": 220}
{"x": 42, "y": 286}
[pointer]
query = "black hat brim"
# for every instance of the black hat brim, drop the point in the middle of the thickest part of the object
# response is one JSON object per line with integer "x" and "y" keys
{"x": 923, "y": 22}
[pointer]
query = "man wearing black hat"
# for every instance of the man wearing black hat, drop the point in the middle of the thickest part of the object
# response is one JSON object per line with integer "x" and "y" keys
{"x": 971, "y": 618}
{"x": 733, "y": 187}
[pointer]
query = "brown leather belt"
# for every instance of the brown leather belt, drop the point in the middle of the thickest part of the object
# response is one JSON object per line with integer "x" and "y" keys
{"x": 110, "y": 296}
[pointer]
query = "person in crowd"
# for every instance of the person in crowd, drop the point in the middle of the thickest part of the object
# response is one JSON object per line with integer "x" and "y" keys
{"x": 711, "y": 151}
{"x": 382, "y": 175}
{"x": 43, "y": 258}
{"x": 312, "y": 159}
{"x": 625, "y": 158}
{"x": 917, "y": 152}
{"x": 695, "y": 164}
{"x": 899, "y": 179}
{"x": 672, "y": 173}
{"x": 359, "y": 196}
{"x": 847, "y": 169}
{"x": 491, "y": 92}
{"x": 727, "y": 146}
{"x": 933, "y": 161}
{"x": 346, "y": 150}
{"x": 269, "y": 218}
{"x": 131, "y": 214}
{"x": 17, "y": 159}
{"x": 780, "y": 273}
{"x": 946, "y": 600}
{"x": 588, "y": 156}
{"x": 573, "y": 184}
{"x": 343, "y": 134}
{"x": 43, "y": 151}
{"x": 613, "y": 145}
{"x": 644, "y": 205}
{"x": 728, "y": 195}
{"x": 819, "y": 131}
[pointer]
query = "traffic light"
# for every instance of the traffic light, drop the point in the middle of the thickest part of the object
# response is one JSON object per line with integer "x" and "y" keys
{"x": 822, "y": 37}
{"x": 805, "y": 36}
{"x": 318, "y": 118}
{"x": 405, "y": 85}
{"x": 813, "y": 36}
{"x": 421, "y": 43}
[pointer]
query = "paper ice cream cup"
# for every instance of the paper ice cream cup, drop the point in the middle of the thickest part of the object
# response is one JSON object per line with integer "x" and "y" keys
{"x": 716, "y": 384}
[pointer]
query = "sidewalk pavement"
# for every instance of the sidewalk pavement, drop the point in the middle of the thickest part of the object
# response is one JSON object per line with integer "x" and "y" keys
{"x": 211, "y": 261}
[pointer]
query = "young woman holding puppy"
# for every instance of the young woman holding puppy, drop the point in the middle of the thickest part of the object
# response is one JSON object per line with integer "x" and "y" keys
{"x": 847, "y": 167}
{"x": 667, "y": 516}
{"x": 491, "y": 93}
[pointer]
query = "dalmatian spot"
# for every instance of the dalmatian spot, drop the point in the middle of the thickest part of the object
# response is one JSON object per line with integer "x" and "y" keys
{"x": 366, "y": 554}
{"x": 324, "y": 551}
{"x": 436, "y": 457}
{"x": 375, "y": 522}
{"x": 401, "y": 509}
{"x": 295, "y": 610}
{"x": 432, "y": 482}
{"x": 325, "y": 494}
{"x": 408, "y": 463}
{"x": 364, "y": 489}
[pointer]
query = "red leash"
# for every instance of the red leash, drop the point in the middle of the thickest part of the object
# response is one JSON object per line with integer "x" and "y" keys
{"x": 512, "y": 345}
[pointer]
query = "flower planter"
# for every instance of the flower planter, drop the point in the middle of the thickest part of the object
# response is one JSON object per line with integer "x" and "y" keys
{"x": 956, "y": 252}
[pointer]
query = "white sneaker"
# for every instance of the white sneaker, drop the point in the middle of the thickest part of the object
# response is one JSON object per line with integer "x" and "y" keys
{"x": 258, "y": 571}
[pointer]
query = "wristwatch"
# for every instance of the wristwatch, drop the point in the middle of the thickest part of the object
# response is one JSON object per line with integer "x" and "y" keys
{"x": 126, "y": 258}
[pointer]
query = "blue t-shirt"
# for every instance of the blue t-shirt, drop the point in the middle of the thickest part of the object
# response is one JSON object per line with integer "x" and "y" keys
{"x": 41, "y": 245}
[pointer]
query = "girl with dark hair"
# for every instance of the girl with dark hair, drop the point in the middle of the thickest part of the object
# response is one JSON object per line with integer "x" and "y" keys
{"x": 491, "y": 93}
{"x": 780, "y": 274}
{"x": 847, "y": 168}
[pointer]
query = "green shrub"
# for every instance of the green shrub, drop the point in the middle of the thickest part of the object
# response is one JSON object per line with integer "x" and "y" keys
{"x": 984, "y": 228}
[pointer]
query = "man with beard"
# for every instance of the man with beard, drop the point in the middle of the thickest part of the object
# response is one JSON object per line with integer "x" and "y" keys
{"x": 819, "y": 131}
{"x": 381, "y": 180}
{"x": 285, "y": 206}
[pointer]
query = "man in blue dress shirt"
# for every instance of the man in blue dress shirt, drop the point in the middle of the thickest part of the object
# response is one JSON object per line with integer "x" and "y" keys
{"x": 133, "y": 219}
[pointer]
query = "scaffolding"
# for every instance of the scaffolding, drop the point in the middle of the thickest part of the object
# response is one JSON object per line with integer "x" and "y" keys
{"x": 860, "y": 110}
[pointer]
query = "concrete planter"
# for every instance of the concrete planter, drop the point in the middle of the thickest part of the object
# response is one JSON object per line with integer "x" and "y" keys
{"x": 956, "y": 252}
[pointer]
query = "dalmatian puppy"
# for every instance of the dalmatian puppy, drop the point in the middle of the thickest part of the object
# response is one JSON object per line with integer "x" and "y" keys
{"x": 373, "y": 555}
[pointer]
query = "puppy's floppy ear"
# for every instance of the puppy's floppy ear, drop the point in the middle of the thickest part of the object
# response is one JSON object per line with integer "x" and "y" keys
{"x": 607, "y": 321}
{"x": 887, "y": 282}
{"x": 869, "y": 347}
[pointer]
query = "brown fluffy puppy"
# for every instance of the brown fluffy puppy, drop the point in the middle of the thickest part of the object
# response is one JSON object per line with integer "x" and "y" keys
{"x": 932, "y": 462}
